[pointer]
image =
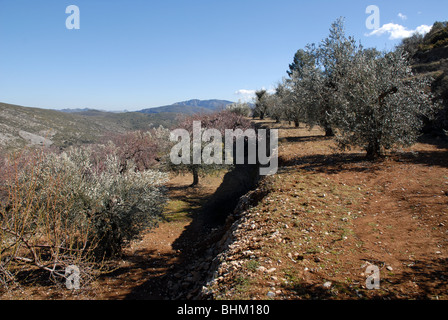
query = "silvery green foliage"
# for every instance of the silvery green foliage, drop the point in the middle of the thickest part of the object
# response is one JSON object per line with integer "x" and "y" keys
{"x": 277, "y": 102}
{"x": 115, "y": 206}
{"x": 240, "y": 108}
{"x": 367, "y": 98}
{"x": 380, "y": 103}
{"x": 287, "y": 104}
{"x": 280, "y": 104}
{"x": 262, "y": 106}
{"x": 308, "y": 94}
{"x": 303, "y": 94}
{"x": 333, "y": 56}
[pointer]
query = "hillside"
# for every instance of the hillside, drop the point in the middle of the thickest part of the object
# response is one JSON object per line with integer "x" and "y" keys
{"x": 329, "y": 216}
{"x": 190, "y": 107}
{"x": 430, "y": 58}
{"x": 21, "y": 126}
{"x": 308, "y": 233}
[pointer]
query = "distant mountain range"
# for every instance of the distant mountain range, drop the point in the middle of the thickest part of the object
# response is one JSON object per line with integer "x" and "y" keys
{"x": 184, "y": 107}
{"x": 21, "y": 126}
{"x": 190, "y": 107}
{"x": 26, "y": 126}
{"x": 77, "y": 110}
{"x": 84, "y": 110}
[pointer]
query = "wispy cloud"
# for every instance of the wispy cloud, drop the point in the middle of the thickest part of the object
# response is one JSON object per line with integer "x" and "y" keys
{"x": 397, "y": 31}
{"x": 402, "y": 16}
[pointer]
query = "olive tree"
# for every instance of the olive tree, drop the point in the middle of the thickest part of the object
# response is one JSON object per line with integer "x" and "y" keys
{"x": 381, "y": 103}
{"x": 280, "y": 103}
{"x": 303, "y": 93}
{"x": 309, "y": 94}
{"x": 261, "y": 104}
{"x": 333, "y": 57}
{"x": 240, "y": 108}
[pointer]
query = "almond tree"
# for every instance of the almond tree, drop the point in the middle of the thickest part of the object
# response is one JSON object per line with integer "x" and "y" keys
{"x": 144, "y": 148}
{"x": 220, "y": 121}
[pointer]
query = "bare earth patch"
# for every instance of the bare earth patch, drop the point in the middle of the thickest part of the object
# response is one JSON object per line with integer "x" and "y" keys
{"x": 147, "y": 265}
{"x": 328, "y": 216}
{"x": 331, "y": 215}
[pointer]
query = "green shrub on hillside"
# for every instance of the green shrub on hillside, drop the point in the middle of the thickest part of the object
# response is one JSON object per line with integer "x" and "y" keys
{"x": 60, "y": 209}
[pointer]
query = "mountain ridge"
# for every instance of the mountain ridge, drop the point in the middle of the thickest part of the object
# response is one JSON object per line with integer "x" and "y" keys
{"x": 429, "y": 57}
{"x": 27, "y": 126}
{"x": 190, "y": 106}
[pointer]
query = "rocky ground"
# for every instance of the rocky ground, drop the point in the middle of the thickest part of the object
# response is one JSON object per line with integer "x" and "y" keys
{"x": 330, "y": 216}
{"x": 309, "y": 232}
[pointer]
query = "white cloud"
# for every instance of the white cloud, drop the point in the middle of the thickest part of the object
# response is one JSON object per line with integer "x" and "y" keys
{"x": 245, "y": 92}
{"x": 402, "y": 16}
{"x": 423, "y": 29}
{"x": 249, "y": 95}
{"x": 397, "y": 31}
{"x": 245, "y": 95}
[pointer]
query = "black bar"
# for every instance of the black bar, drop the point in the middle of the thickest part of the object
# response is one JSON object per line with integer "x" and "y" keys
{"x": 222, "y": 309}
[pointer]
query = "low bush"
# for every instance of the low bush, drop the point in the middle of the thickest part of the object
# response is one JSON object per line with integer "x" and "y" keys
{"x": 73, "y": 208}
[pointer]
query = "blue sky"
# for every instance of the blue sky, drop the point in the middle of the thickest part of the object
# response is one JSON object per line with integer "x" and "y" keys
{"x": 137, "y": 54}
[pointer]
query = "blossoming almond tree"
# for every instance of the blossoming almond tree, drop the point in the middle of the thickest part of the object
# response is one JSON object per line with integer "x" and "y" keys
{"x": 220, "y": 121}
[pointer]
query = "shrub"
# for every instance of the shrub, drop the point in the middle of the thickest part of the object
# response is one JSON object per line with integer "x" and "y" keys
{"x": 39, "y": 224}
{"x": 73, "y": 208}
{"x": 119, "y": 203}
{"x": 240, "y": 108}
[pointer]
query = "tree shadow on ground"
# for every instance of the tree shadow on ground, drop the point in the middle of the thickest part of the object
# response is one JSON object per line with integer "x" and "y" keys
{"x": 304, "y": 139}
{"x": 235, "y": 184}
{"x": 268, "y": 124}
{"x": 427, "y": 158}
{"x": 190, "y": 196}
{"x": 153, "y": 265}
{"x": 330, "y": 163}
{"x": 437, "y": 157}
{"x": 208, "y": 226}
{"x": 441, "y": 143}
{"x": 318, "y": 292}
{"x": 34, "y": 277}
{"x": 357, "y": 162}
{"x": 148, "y": 260}
{"x": 425, "y": 280}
